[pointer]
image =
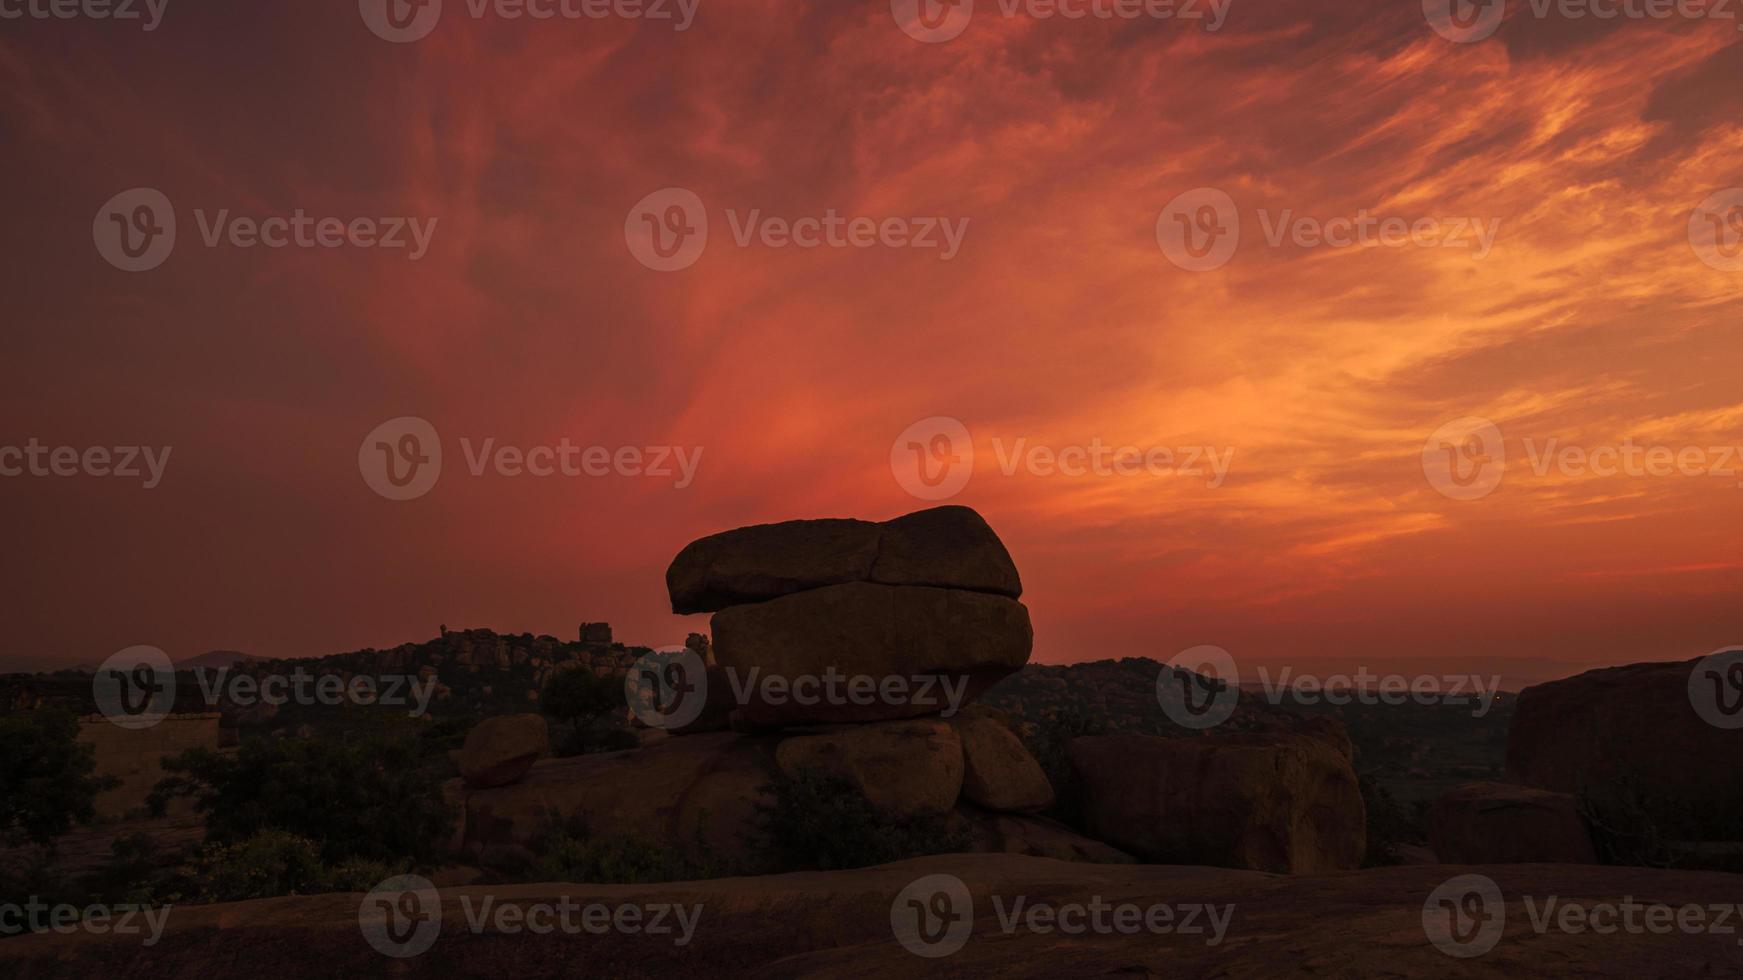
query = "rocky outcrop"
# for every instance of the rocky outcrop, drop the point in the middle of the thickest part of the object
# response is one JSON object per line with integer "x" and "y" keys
{"x": 500, "y": 750}
{"x": 937, "y": 644}
{"x": 999, "y": 773}
{"x": 1631, "y": 736}
{"x": 947, "y": 547}
{"x": 1498, "y": 823}
{"x": 676, "y": 790}
{"x": 1363, "y": 924}
{"x": 905, "y": 768}
{"x": 1271, "y": 802}
{"x": 1011, "y": 833}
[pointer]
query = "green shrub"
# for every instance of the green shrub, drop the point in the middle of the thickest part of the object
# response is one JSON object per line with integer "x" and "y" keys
{"x": 267, "y": 864}
{"x": 1390, "y": 824}
{"x": 1048, "y": 739}
{"x": 585, "y": 707}
{"x": 820, "y": 822}
{"x": 46, "y": 781}
{"x": 375, "y": 798}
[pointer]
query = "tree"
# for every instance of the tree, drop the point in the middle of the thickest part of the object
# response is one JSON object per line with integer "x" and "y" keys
{"x": 46, "y": 777}
{"x": 376, "y": 798}
{"x": 585, "y": 702}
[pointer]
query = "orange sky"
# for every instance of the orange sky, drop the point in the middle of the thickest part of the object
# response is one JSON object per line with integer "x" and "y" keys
{"x": 1592, "y": 321}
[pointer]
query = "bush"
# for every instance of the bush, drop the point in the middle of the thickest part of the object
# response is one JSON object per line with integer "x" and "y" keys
{"x": 1049, "y": 741}
{"x": 1389, "y": 824}
{"x": 820, "y": 822}
{"x": 571, "y": 853}
{"x": 584, "y": 705}
{"x": 46, "y": 781}
{"x": 375, "y": 799}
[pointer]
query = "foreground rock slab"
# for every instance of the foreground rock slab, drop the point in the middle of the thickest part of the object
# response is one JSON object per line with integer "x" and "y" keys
{"x": 1357, "y": 924}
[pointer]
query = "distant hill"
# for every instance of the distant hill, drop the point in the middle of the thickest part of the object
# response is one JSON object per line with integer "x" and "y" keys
{"x": 216, "y": 659}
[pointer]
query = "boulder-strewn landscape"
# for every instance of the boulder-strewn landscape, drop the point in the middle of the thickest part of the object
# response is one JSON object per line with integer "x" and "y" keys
{"x": 862, "y": 722}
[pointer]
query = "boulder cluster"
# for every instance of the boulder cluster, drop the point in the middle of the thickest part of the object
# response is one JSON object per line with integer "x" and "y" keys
{"x": 843, "y": 648}
{"x": 1619, "y": 752}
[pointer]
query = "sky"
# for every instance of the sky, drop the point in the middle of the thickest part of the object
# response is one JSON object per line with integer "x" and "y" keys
{"x": 1430, "y": 445}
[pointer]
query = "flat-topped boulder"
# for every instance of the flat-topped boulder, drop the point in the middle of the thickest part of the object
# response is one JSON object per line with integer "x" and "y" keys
{"x": 1651, "y": 733}
{"x": 896, "y": 652}
{"x": 947, "y": 547}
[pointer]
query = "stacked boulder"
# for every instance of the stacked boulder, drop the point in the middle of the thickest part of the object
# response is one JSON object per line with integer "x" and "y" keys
{"x": 847, "y": 648}
{"x": 916, "y": 602}
{"x": 860, "y": 643}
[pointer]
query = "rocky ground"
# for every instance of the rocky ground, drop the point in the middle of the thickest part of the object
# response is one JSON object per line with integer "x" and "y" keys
{"x": 1349, "y": 924}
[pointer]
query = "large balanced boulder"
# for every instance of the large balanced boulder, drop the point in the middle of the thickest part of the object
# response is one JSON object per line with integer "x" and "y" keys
{"x": 1267, "y": 801}
{"x": 685, "y": 792}
{"x": 894, "y": 652}
{"x": 500, "y": 750}
{"x": 1630, "y": 737}
{"x": 998, "y": 772}
{"x": 904, "y": 768}
{"x": 1498, "y": 823}
{"x": 948, "y": 547}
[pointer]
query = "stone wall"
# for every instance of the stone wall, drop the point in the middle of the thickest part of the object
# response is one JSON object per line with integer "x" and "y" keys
{"x": 136, "y": 756}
